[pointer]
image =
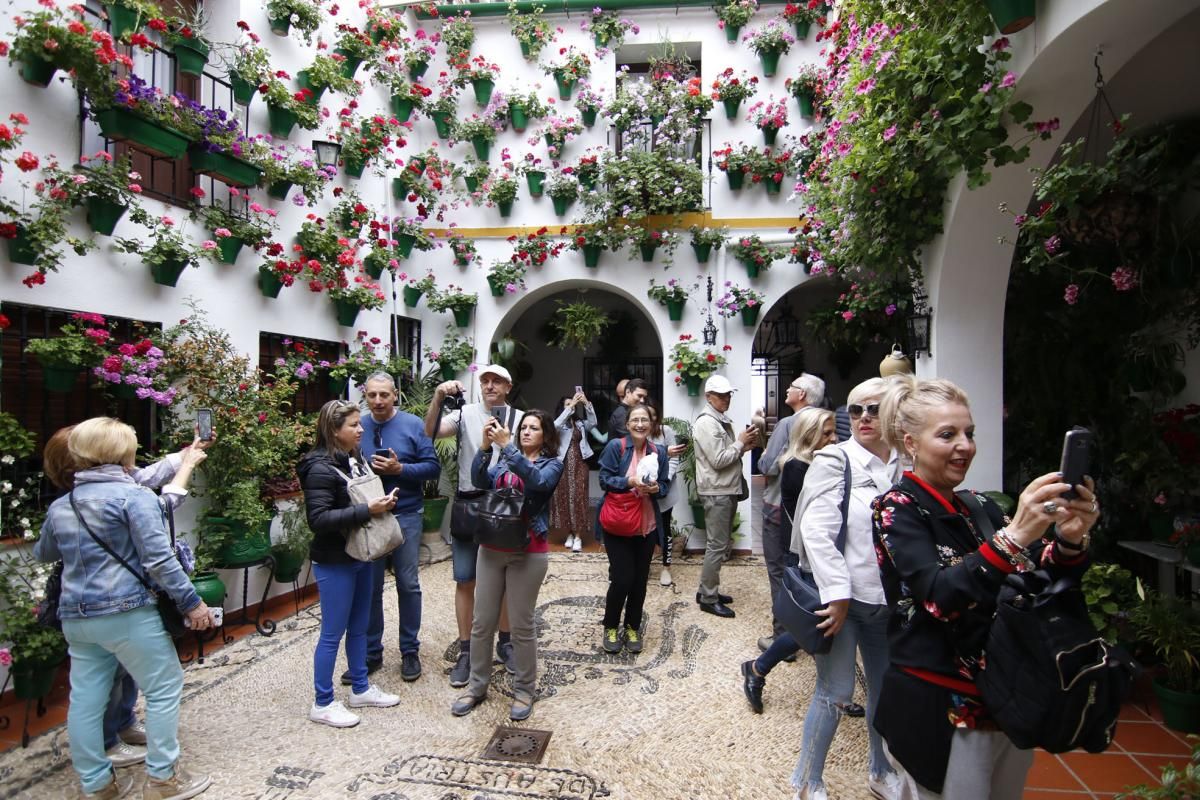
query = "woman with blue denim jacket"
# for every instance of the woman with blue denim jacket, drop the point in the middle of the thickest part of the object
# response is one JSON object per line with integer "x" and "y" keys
{"x": 513, "y": 577}
{"x": 110, "y": 617}
{"x": 629, "y": 556}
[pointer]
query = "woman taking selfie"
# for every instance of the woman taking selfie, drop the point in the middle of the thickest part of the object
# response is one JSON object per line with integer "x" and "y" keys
{"x": 343, "y": 583}
{"x": 570, "y": 509}
{"x": 513, "y": 577}
{"x": 942, "y": 577}
{"x": 630, "y": 552}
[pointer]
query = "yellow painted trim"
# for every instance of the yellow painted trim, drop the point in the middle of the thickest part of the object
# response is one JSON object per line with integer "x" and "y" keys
{"x": 683, "y": 222}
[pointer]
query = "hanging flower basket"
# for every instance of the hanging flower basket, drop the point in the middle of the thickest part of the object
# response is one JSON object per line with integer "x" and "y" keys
{"x": 350, "y": 65}
{"x": 737, "y": 179}
{"x": 38, "y": 72}
{"x": 648, "y": 251}
{"x": 519, "y": 119}
{"x": 675, "y": 309}
{"x": 565, "y": 86}
{"x": 168, "y": 272}
{"x": 483, "y": 90}
{"x": 346, "y": 312}
{"x": 243, "y": 90}
{"x": 773, "y": 186}
{"x": 770, "y": 62}
{"x": 600, "y": 40}
{"x": 415, "y": 71}
{"x": 1012, "y": 16}
{"x": 731, "y": 107}
{"x": 496, "y": 286}
{"x": 525, "y": 49}
{"x": 591, "y": 255}
{"x": 702, "y": 251}
{"x": 472, "y": 183}
{"x": 805, "y": 101}
{"x": 228, "y": 169}
{"x": 337, "y": 386}
{"x": 280, "y": 121}
{"x": 103, "y": 215}
{"x": 229, "y": 247}
{"x": 280, "y": 25}
{"x": 402, "y": 107}
{"x": 483, "y": 147}
{"x": 122, "y": 21}
{"x": 588, "y": 182}
{"x": 692, "y": 382}
{"x": 33, "y": 680}
{"x": 448, "y": 374}
{"x": 589, "y": 116}
{"x": 416, "y": 164}
{"x": 20, "y": 249}
{"x": 61, "y": 379}
{"x": 750, "y": 316}
{"x": 441, "y": 122}
{"x": 731, "y": 32}
{"x": 268, "y": 282}
{"x": 561, "y": 204}
{"x": 412, "y": 296}
{"x": 122, "y": 125}
{"x": 191, "y": 55}
{"x": 279, "y": 189}
{"x": 535, "y": 178}
{"x": 769, "y": 135}
{"x": 752, "y": 268}
{"x": 404, "y": 244}
{"x": 462, "y": 316}
{"x": 803, "y": 26}
{"x": 354, "y": 168}
{"x": 304, "y": 83}
{"x": 505, "y": 207}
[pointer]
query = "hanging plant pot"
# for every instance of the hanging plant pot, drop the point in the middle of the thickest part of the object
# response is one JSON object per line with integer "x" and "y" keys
{"x": 404, "y": 244}
{"x": 591, "y": 255}
{"x": 769, "y": 135}
{"x": 556, "y": 143}
{"x": 122, "y": 21}
{"x": 103, "y": 215}
{"x": 752, "y": 268}
{"x": 526, "y": 50}
{"x": 243, "y": 90}
{"x": 346, "y": 311}
{"x": 21, "y": 250}
{"x": 588, "y": 115}
{"x": 561, "y": 204}
{"x": 495, "y": 285}
{"x": 226, "y": 168}
{"x": 736, "y": 178}
{"x": 229, "y": 247}
{"x": 773, "y": 186}
{"x": 399, "y": 188}
{"x": 61, "y": 379}
{"x": 448, "y": 371}
{"x": 802, "y": 29}
{"x": 518, "y": 118}
{"x": 472, "y": 183}
{"x": 167, "y": 273}
{"x": 505, "y": 207}
{"x": 770, "y": 62}
{"x": 280, "y": 121}
{"x": 38, "y": 72}
{"x": 566, "y": 86}
{"x": 483, "y": 90}
{"x": 702, "y": 251}
{"x": 648, "y": 251}
{"x": 692, "y": 382}
{"x": 350, "y": 65}
{"x": 675, "y": 310}
{"x": 462, "y": 261}
{"x": 600, "y": 40}
{"x": 303, "y": 82}
{"x": 462, "y": 316}
{"x": 441, "y": 123}
{"x": 402, "y": 108}
{"x": 337, "y": 386}
{"x": 210, "y": 587}
{"x": 268, "y": 282}
{"x": 33, "y": 680}
{"x": 416, "y": 165}
{"x": 1011, "y": 16}
{"x": 412, "y": 296}
{"x": 415, "y": 71}
{"x": 123, "y": 391}
{"x": 482, "y": 146}
{"x": 280, "y": 25}
{"x": 374, "y": 268}
{"x": 805, "y": 101}
{"x": 750, "y": 316}
{"x": 535, "y": 178}
{"x": 656, "y": 119}
{"x": 121, "y": 125}
{"x": 191, "y": 55}
{"x": 731, "y": 107}
{"x": 353, "y": 168}
{"x": 731, "y": 32}
{"x": 587, "y": 181}
{"x": 287, "y": 565}
{"x": 279, "y": 189}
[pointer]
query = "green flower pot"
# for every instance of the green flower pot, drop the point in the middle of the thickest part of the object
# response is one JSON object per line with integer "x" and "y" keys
{"x": 702, "y": 251}
{"x": 279, "y": 189}
{"x": 750, "y": 316}
{"x": 374, "y": 268}
{"x": 565, "y": 86}
{"x": 483, "y": 147}
{"x": 412, "y": 296}
{"x": 656, "y": 119}
{"x": 404, "y": 244}
{"x": 229, "y": 248}
{"x": 804, "y": 100}
{"x": 350, "y": 65}
{"x": 103, "y": 215}
{"x": 243, "y": 90}
{"x": 561, "y": 204}
{"x": 416, "y": 165}
{"x": 1180, "y": 710}
{"x": 1011, "y": 16}
{"x": 802, "y": 29}
{"x": 472, "y": 184}
{"x": 280, "y": 121}
{"x": 556, "y": 144}
{"x": 731, "y": 32}
{"x": 226, "y": 168}
{"x": 287, "y": 565}
{"x": 353, "y": 168}
{"x": 337, "y": 386}
{"x": 243, "y": 545}
{"x": 121, "y": 125}
{"x": 346, "y": 312}
{"x": 33, "y": 680}
{"x": 38, "y": 72}
{"x": 769, "y": 135}
{"x": 495, "y": 285}
{"x": 675, "y": 310}
{"x": 191, "y": 55}
{"x": 731, "y": 107}
{"x": 448, "y": 371}
{"x": 697, "y": 508}
{"x": 399, "y": 188}
{"x": 773, "y": 186}
{"x": 441, "y": 123}
{"x": 505, "y": 207}
{"x": 269, "y": 283}
{"x": 591, "y": 255}
{"x": 303, "y": 82}
{"x": 280, "y": 25}
{"x": 587, "y": 182}
{"x": 648, "y": 251}
{"x": 123, "y": 21}
{"x": 402, "y": 108}
{"x": 770, "y": 62}
{"x": 534, "y": 179}
{"x": 434, "y": 512}
{"x": 736, "y": 178}
{"x": 692, "y": 382}
{"x": 210, "y": 587}
{"x": 462, "y": 316}
{"x": 483, "y": 90}
{"x": 60, "y": 379}
{"x": 415, "y": 71}
{"x": 600, "y": 40}
{"x": 752, "y": 268}
{"x": 526, "y": 50}
{"x": 589, "y": 116}
{"x": 123, "y": 391}
{"x": 518, "y": 118}
{"x": 168, "y": 272}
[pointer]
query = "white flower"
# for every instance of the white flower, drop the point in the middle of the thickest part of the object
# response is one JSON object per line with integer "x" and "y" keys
{"x": 29, "y": 535}
{"x": 7, "y": 459}
{"x": 24, "y": 522}
{"x": 6, "y": 487}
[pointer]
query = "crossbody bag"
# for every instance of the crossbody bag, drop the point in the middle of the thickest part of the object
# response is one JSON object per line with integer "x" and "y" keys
{"x": 470, "y": 503}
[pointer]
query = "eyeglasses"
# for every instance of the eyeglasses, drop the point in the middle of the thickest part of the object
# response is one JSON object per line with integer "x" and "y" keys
{"x": 794, "y": 386}
{"x": 856, "y": 411}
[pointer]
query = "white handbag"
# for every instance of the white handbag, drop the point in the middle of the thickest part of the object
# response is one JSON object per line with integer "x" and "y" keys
{"x": 381, "y": 534}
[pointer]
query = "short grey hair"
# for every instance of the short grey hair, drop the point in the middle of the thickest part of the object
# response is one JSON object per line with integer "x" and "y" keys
{"x": 871, "y": 387}
{"x": 813, "y": 388}
{"x": 380, "y": 375}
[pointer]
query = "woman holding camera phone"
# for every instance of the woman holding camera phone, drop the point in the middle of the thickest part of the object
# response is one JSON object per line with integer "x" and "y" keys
{"x": 942, "y": 576}
{"x": 569, "y": 507}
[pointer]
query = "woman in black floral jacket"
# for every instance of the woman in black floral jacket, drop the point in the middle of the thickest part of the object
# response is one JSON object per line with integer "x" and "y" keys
{"x": 941, "y": 575}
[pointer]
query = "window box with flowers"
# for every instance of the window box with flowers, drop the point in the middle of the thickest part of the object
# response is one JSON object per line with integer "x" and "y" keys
{"x": 350, "y": 296}
{"x": 806, "y": 86}
{"x": 692, "y": 365}
{"x": 801, "y": 15}
{"x": 249, "y": 66}
{"x": 481, "y": 133}
{"x": 131, "y": 111}
{"x": 530, "y": 29}
{"x": 458, "y": 34}
{"x": 733, "y": 15}
{"x": 563, "y": 191}
{"x": 79, "y": 346}
{"x": 506, "y": 277}
{"x": 106, "y": 188}
{"x": 608, "y": 28}
{"x": 640, "y": 184}
{"x": 592, "y": 240}
{"x": 303, "y": 15}
{"x": 572, "y": 66}
{"x": 415, "y": 287}
{"x": 234, "y": 161}
{"x": 731, "y": 89}
{"x": 453, "y": 356}
{"x": 535, "y": 249}
{"x": 170, "y": 252}
{"x": 770, "y": 42}
{"x": 503, "y": 192}
{"x": 705, "y": 240}
{"x": 455, "y": 300}
{"x": 673, "y": 294}
{"x": 234, "y": 231}
{"x": 352, "y": 48}
{"x": 736, "y": 300}
{"x": 770, "y": 117}
{"x": 754, "y": 254}
{"x": 524, "y": 107}
{"x": 287, "y": 109}
{"x": 291, "y": 166}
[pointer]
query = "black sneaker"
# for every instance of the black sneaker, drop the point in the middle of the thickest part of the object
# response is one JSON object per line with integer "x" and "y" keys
{"x": 372, "y": 668}
{"x": 460, "y": 674}
{"x": 410, "y": 667}
{"x": 853, "y": 710}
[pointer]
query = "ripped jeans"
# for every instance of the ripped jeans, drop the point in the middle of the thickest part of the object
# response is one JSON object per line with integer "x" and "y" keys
{"x": 864, "y": 631}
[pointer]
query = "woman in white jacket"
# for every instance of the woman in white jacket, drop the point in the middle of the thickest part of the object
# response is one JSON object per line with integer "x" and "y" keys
{"x": 570, "y": 507}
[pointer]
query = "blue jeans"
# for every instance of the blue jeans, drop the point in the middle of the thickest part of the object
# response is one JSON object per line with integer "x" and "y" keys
{"x": 345, "y": 591}
{"x": 136, "y": 640}
{"x": 783, "y": 646}
{"x": 865, "y": 630}
{"x": 404, "y": 560}
{"x": 121, "y": 701}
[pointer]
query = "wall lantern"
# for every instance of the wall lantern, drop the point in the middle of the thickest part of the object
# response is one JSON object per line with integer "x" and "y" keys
{"x": 327, "y": 152}
{"x": 917, "y": 325}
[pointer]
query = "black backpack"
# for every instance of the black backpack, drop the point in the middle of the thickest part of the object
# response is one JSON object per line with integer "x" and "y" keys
{"x": 1048, "y": 678}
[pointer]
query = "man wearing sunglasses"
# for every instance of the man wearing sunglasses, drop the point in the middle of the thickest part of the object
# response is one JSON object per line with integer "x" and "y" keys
{"x": 806, "y": 390}
{"x": 404, "y": 458}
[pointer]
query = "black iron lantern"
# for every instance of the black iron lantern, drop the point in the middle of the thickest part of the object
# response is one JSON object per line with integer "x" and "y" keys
{"x": 917, "y": 326}
{"x": 327, "y": 152}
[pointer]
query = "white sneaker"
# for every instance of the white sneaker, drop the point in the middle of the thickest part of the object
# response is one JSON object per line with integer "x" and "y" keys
{"x": 664, "y": 577}
{"x": 334, "y": 715}
{"x": 811, "y": 793}
{"x": 888, "y": 787}
{"x": 125, "y": 755}
{"x": 577, "y": 545}
{"x": 373, "y": 697}
{"x": 570, "y": 542}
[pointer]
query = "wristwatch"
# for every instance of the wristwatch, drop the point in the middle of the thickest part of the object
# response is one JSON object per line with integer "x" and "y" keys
{"x": 1078, "y": 547}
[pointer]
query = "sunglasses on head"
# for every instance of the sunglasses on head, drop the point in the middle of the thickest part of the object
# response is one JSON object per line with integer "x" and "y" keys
{"x": 855, "y": 410}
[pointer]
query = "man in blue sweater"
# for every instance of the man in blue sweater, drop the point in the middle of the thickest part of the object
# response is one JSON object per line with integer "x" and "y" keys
{"x": 404, "y": 458}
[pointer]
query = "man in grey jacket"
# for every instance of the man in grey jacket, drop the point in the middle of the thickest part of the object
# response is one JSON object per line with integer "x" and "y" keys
{"x": 719, "y": 483}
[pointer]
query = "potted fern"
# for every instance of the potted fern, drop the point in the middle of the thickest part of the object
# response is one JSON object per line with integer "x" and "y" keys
{"x": 578, "y": 325}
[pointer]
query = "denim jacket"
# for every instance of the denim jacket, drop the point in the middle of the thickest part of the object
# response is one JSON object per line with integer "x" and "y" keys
{"x": 540, "y": 478}
{"x": 130, "y": 520}
{"x": 614, "y": 463}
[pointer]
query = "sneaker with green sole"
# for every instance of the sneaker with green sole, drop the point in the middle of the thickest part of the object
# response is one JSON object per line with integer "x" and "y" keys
{"x": 611, "y": 641}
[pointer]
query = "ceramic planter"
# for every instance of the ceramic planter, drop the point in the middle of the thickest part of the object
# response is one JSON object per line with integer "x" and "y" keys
{"x": 804, "y": 100}
{"x": 280, "y": 25}
{"x": 269, "y": 283}
{"x": 441, "y": 122}
{"x": 60, "y": 379}
{"x": 229, "y": 247}
{"x": 279, "y": 189}
{"x": 303, "y": 82}
{"x": 415, "y": 71}
{"x": 769, "y": 59}
{"x": 280, "y": 121}
{"x": 731, "y": 107}
{"x": 243, "y": 545}
{"x": 38, "y": 72}
{"x": 402, "y": 108}
{"x": 435, "y": 510}
{"x": 675, "y": 309}
{"x": 589, "y": 116}
{"x": 346, "y": 312}
{"x": 167, "y": 273}
{"x": 122, "y": 21}
{"x": 737, "y": 179}
{"x": 462, "y": 316}
{"x": 702, "y": 251}
{"x": 226, "y": 168}
{"x": 731, "y": 32}
{"x": 535, "y": 178}
{"x": 191, "y": 55}
{"x": 210, "y": 587}
{"x": 1011, "y": 16}
{"x": 769, "y": 135}
{"x": 561, "y": 204}
{"x": 483, "y": 147}
{"x": 412, "y": 296}
{"x": 648, "y": 251}
{"x": 243, "y": 90}
{"x": 566, "y": 86}
{"x": 518, "y": 118}
{"x": 802, "y": 29}
{"x": 350, "y": 65}
{"x": 692, "y": 382}
{"x": 404, "y": 244}
{"x": 591, "y": 255}
{"x": 505, "y": 207}
{"x": 121, "y": 125}
{"x": 483, "y": 90}
{"x": 103, "y": 215}
{"x": 287, "y": 565}
{"x": 750, "y": 316}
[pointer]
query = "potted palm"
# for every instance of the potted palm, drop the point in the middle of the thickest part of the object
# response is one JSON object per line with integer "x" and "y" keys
{"x": 687, "y": 466}
{"x": 415, "y": 400}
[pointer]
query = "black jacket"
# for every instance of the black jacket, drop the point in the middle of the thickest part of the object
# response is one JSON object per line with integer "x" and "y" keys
{"x": 327, "y": 505}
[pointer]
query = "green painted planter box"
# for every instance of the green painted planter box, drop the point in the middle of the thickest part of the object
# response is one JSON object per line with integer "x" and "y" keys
{"x": 168, "y": 272}
{"x": 402, "y": 108}
{"x": 346, "y": 312}
{"x": 229, "y": 247}
{"x": 121, "y": 125}
{"x": 243, "y": 90}
{"x": 191, "y": 55}
{"x": 38, "y": 72}
{"x": 228, "y": 169}
{"x": 269, "y": 283}
{"x": 280, "y": 121}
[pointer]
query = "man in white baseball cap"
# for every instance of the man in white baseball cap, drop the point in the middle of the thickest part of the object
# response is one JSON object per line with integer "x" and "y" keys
{"x": 495, "y": 382}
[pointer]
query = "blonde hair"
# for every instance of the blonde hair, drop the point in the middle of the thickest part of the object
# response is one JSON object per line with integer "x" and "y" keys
{"x": 805, "y": 433}
{"x": 102, "y": 440}
{"x": 871, "y": 387}
{"x": 906, "y": 404}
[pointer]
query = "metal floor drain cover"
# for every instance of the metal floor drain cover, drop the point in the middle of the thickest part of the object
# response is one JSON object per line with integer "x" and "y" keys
{"x": 517, "y": 744}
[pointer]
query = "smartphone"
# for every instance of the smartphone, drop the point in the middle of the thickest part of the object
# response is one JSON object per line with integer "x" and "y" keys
{"x": 500, "y": 413}
{"x": 578, "y": 389}
{"x": 384, "y": 453}
{"x": 204, "y": 420}
{"x": 1076, "y": 458}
